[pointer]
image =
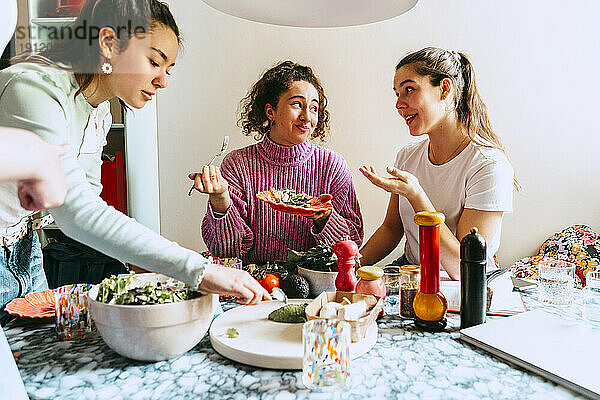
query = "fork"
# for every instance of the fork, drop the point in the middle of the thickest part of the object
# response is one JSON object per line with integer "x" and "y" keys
{"x": 223, "y": 150}
{"x": 491, "y": 275}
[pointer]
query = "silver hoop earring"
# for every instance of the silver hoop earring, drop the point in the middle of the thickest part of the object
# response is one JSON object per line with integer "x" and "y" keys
{"x": 107, "y": 68}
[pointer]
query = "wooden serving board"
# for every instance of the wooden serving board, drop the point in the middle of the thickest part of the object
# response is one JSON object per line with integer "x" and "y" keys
{"x": 267, "y": 344}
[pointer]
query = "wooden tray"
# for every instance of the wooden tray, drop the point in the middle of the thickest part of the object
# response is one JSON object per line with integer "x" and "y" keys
{"x": 267, "y": 344}
{"x": 358, "y": 329}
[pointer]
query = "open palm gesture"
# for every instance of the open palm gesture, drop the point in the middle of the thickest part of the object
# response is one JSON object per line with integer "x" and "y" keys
{"x": 400, "y": 182}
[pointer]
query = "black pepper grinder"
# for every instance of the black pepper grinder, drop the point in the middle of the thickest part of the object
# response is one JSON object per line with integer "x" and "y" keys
{"x": 473, "y": 281}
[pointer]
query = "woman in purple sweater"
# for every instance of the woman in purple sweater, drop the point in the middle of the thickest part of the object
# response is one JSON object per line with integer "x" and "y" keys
{"x": 283, "y": 110}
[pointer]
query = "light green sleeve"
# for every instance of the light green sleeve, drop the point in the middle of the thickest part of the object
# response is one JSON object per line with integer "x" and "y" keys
{"x": 31, "y": 102}
{"x": 27, "y": 101}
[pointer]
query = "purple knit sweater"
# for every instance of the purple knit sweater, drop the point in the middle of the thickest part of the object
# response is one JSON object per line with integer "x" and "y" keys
{"x": 256, "y": 233}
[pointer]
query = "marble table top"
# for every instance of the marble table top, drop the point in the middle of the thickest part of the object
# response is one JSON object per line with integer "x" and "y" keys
{"x": 404, "y": 364}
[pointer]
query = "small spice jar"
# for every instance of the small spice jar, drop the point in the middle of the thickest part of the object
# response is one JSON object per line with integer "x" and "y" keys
{"x": 410, "y": 277}
{"x": 391, "y": 278}
{"x": 371, "y": 282}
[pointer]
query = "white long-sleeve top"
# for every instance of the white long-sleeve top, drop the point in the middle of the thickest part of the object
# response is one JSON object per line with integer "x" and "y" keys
{"x": 41, "y": 99}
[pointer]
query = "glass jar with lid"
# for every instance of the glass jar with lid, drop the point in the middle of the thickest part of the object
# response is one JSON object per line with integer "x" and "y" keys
{"x": 410, "y": 279}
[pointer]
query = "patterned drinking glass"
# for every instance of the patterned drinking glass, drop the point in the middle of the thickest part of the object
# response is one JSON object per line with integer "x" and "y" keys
{"x": 73, "y": 319}
{"x": 326, "y": 362}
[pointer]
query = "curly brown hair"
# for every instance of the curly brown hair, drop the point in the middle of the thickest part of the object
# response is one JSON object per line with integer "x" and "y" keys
{"x": 268, "y": 90}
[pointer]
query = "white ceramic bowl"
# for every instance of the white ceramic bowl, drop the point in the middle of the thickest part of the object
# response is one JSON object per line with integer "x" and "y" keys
{"x": 318, "y": 281}
{"x": 153, "y": 332}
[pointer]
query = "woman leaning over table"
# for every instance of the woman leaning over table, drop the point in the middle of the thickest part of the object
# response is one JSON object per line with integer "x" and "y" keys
{"x": 24, "y": 157}
{"x": 460, "y": 168}
{"x": 284, "y": 110}
{"x": 62, "y": 96}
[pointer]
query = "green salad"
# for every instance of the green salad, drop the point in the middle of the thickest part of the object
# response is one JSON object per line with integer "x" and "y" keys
{"x": 291, "y": 198}
{"x": 130, "y": 290}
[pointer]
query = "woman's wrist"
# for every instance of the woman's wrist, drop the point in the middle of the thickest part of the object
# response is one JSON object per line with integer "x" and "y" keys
{"x": 321, "y": 222}
{"x": 220, "y": 202}
{"x": 420, "y": 202}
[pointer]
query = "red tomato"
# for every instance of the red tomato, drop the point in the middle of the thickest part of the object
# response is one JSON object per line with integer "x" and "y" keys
{"x": 269, "y": 282}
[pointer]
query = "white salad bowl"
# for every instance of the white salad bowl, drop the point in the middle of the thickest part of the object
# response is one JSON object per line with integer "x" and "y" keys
{"x": 318, "y": 281}
{"x": 152, "y": 332}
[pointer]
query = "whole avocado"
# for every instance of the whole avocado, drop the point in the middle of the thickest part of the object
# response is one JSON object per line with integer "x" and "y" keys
{"x": 295, "y": 287}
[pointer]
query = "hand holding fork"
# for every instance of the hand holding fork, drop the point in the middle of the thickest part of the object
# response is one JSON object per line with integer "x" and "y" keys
{"x": 210, "y": 177}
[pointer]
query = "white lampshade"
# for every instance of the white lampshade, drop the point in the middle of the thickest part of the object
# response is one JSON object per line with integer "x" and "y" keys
{"x": 313, "y": 13}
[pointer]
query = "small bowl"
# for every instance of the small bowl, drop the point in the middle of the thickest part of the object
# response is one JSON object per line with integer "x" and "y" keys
{"x": 152, "y": 332}
{"x": 318, "y": 281}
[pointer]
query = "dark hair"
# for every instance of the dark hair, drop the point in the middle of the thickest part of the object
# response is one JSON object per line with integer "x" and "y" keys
{"x": 80, "y": 51}
{"x": 471, "y": 111}
{"x": 269, "y": 88}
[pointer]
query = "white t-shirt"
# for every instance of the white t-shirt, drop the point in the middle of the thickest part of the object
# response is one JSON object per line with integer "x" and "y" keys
{"x": 479, "y": 178}
{"x": 8, "y": 22}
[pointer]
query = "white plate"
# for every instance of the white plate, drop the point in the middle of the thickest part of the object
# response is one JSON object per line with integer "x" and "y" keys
{"x": 268, "y": 344}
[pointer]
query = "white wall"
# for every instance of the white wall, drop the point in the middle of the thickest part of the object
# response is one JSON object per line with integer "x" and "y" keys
{"x": 537, "y": 64}
{"x": 141, "y": 149}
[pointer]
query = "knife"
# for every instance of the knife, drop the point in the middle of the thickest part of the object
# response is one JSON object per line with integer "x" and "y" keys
{"x": 279, "y": 294}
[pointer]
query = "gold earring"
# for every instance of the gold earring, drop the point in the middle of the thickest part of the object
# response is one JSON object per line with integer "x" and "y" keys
{"x": 107, "y": 68}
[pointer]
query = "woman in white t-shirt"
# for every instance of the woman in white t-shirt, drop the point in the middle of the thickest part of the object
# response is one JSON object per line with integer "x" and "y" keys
{"x": 459, "y": 168}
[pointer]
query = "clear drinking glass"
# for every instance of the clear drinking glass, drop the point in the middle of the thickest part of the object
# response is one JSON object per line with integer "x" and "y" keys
{"x": 326, "y": 362}
{"x": 591, "y": 298}
{"x": 556, "y": 282}
{"x": 73, "y": 319}
{"x": 391, "y": 279}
